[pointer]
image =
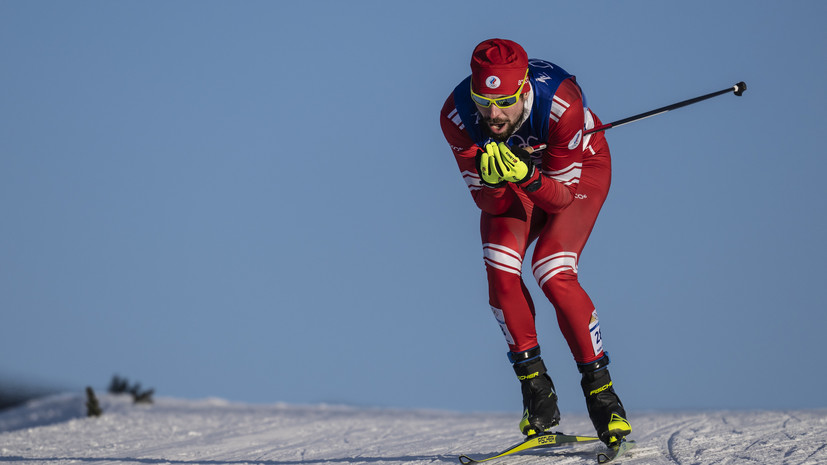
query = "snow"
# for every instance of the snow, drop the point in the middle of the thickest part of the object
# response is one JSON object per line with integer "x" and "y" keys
{"x": 55, "y": 430}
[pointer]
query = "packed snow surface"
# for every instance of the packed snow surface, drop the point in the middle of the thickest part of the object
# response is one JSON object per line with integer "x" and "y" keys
{"x": 55, "y": 430}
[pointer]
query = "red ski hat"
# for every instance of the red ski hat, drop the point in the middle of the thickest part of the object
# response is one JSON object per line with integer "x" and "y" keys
{"x": 498, "y": 66}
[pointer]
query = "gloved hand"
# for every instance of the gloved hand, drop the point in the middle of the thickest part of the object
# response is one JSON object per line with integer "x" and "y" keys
{"x": 498, "y": 163}
{"x": 489, "y": 165}
{"x": 516, "y": 164}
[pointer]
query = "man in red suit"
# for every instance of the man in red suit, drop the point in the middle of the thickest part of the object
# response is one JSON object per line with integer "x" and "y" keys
{"x": 516, "y": 128}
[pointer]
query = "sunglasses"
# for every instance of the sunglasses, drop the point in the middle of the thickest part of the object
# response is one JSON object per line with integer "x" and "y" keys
{"x": 502, "y": 102}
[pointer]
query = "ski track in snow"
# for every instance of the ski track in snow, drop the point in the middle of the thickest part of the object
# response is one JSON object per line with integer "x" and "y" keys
{"x": 55, "y": 430}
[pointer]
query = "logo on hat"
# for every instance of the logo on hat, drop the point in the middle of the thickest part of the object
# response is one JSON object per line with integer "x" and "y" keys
{"x": 492, "y": 82}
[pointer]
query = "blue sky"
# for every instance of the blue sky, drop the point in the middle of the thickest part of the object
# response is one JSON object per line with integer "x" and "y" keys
{"x": 254, "y": 201}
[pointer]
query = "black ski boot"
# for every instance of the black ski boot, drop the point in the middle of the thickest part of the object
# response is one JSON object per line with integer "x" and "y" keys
{"x": 605, "y": 410}
{"x": 540, "y": 412}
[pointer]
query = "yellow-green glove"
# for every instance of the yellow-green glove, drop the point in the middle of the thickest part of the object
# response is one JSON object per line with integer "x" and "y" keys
{"x": 511, "y": 167}
{"x": 515, "y": 169}
{"x": 490, "y": 165}
{"x": 499, "y": 164}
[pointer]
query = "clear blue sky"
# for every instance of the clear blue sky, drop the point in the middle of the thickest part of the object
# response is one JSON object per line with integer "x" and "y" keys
{"x": 254, "y": 201}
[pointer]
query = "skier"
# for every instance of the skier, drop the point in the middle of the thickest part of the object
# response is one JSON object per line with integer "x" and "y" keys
{"x": 516, "y": 127}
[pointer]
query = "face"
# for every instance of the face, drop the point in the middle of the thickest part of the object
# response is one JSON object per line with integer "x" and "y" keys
{"x": 501, "y": 122}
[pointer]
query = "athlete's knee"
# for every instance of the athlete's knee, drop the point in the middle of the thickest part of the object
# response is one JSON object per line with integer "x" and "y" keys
{"x": 504, "y": 266}
{"x": 556, "y": 272}
{"x": 562, "y": 288}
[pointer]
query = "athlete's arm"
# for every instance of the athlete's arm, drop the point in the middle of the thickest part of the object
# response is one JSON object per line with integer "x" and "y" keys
{"x": 552, "y": 188}
{"x": 493, "y": 200}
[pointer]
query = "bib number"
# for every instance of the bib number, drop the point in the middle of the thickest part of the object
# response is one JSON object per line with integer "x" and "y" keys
{"x": 594, "y": 330}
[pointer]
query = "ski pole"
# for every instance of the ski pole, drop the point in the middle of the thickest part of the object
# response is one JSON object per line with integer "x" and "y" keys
{"x": 737, "y": 89}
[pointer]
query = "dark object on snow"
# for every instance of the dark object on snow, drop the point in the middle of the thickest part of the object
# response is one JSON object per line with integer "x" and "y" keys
{"x": 121, "y": 386}
{"x": 140, "y": 397}
{"x": 118, "y": 385}
{"x": 93, "y": 408}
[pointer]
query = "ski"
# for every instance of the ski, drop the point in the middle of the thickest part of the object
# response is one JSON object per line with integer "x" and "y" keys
{"x": 534, "y": 442}
{"x": 615, "y": 451}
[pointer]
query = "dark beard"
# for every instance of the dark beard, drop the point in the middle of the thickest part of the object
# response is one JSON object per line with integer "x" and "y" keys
{"x": 510, "y": 128}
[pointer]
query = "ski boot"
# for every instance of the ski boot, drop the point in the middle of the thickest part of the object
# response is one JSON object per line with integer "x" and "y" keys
{"x": 605, "y": 410}
{"x": 540, "y": 412}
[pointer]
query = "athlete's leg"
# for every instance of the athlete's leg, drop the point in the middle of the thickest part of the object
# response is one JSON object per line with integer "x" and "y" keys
{"x": 505, "y": 238}
{"x": 555, "y": 267}
{"x": 556, "y": 256}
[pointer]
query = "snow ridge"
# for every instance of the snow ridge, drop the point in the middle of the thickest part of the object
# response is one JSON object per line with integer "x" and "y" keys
{"x": 55, "y": 430}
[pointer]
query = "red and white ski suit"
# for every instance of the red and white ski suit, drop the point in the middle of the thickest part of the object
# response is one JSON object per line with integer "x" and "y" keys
{"x": 560, "y": 215}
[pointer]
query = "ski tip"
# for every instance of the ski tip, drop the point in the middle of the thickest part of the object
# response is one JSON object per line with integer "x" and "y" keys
{"x": 465, "y": 460}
